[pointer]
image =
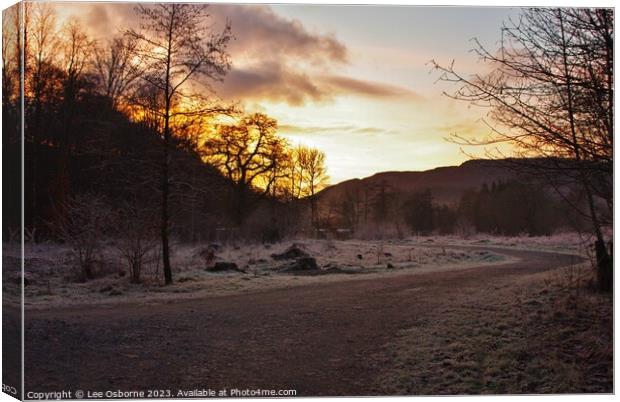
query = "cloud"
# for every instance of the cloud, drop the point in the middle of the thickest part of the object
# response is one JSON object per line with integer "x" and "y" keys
{"x": 347, "y": 85}
{"x": 270, "y": 81}
{"x": 276, "y": 82}
{"x": 101, "y": 20}
{"x": 345, "y": 128}
{"x": 261, "y": 33}
{"x": 370, "y": 130}
{"x": 274, "y": 58}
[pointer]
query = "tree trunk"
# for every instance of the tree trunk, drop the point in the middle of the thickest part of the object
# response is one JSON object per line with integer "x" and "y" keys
{"x": 165, "y": 190}
{"x": 241, "y": 203}
{"x": 603, "y": 259}
{"x": 165, "y": 247}
{"x": 604, "y": 266}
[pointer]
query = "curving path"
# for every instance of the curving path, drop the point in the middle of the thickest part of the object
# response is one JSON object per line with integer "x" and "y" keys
{"x": 316, "y": 339}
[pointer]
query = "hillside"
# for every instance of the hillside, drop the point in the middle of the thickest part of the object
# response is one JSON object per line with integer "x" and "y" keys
{"x": 447, "y": 184}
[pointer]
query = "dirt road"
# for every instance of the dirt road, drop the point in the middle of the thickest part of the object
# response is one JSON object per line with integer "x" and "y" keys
{"x": 317, "y": 340}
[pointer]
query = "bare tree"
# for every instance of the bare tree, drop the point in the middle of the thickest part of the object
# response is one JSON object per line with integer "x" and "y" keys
{"x": 10, "y": 54}
{"x": 313, "y": 176}
{"x": 136, "y": 237}
{"x": 249, "y": 153}
{"x": 74, "y": 53}
{"x": 115, "y": 67}
{"x": 11, "y": 73}
{"x": 44, "y": 46}
{"x": 84, "y": 224}
{"x": 179, "y": 53}
{"x": 550, "y": 93}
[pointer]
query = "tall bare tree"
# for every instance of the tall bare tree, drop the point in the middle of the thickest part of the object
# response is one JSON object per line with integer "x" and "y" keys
{"x": 313, "y": 176}
{"x": 44, "y": 45}
{"x": 180, "y": 53}
{"x": 550, "y": 93}
{"x": 74, "y": 54}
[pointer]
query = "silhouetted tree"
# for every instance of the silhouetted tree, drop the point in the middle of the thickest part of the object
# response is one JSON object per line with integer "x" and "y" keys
{"x": 116, "y": 68}
{"x": 179, "y": 54}
{"x": 419, "y": 212}
{"x": 313, "y": 176}
{"x": 444, "y": 219}
{"x": 11, "y": 122}
{"x": 351, "y": 209}
{"x": 512, "y": 208}
{"x": 247, "y": 153}
{"x": 44, "y": 44}
{"x": 551, "y": 93}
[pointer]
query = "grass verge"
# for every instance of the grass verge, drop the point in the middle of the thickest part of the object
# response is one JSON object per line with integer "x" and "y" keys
{"x": 546, "y": 333}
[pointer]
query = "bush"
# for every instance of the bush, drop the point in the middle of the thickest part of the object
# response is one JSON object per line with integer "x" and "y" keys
{"x": 137, "y": 240}
{"x": 85, "y": 220}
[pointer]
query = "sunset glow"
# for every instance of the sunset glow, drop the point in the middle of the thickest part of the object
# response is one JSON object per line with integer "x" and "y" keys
{"x": 354, "y": 81}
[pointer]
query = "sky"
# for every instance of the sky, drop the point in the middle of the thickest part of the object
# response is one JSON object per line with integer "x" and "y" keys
{"x": 354, "y": 81}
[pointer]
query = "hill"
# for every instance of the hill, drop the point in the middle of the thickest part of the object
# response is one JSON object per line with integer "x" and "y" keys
{"x": 447, "y": 184}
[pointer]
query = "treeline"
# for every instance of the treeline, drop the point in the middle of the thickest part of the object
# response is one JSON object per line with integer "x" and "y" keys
{"x": 511, "y": 207}
{"x": 130, "y": 126}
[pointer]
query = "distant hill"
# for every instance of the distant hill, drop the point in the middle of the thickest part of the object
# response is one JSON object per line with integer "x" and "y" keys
{"x": 447, "y": 184}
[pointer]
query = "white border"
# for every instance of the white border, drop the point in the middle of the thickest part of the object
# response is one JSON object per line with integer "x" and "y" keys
{"x": 523, "y": 3}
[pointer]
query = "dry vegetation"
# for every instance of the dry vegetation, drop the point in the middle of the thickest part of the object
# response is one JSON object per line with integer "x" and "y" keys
{"x": 548, "y": 333}
{"x": 54, "y": 280}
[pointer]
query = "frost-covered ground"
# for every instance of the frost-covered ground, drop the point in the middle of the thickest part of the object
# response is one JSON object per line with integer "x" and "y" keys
{"x": 573, "y": 243}
{"x": 50, "y": 274}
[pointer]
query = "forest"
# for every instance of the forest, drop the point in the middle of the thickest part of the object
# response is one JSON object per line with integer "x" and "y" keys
{"x": 126, "y": 140}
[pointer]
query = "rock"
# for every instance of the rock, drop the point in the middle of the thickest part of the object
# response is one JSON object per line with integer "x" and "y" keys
{"x": 360, "y": 257}
{"x": 291, "y": 253}
{"x": 115, "y": 292}
{"x": 390, "y": 266}
{"x": 303, "y": 264}
{"x": 222, "y": 266}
